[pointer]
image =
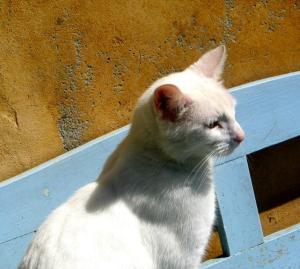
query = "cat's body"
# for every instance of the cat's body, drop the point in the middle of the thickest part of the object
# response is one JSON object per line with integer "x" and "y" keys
{"x": 134, "y": 226}
{"x": 154, "y": 204}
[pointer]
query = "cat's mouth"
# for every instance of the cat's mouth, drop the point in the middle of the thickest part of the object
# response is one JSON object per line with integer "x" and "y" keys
{"x": 225, "y": 149}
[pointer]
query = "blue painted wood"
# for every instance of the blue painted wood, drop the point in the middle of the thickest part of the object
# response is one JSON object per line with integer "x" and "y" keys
{"x": 269, "y": 112}
{"x": 13, "y": 250}
{"x": 279, "y": 251}
{"x": 241, "y": 228}
{"x": 27, "y": 199}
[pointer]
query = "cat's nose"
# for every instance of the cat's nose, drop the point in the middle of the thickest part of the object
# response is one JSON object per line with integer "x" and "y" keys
{"x": 239, "y": 137}
{"x": 239, "y": 134}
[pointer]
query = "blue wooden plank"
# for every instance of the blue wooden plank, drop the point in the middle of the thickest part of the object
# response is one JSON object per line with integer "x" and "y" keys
{"x": 268, "y": 110}
{"x": 12, "y": 251}
{"x": 27, "y": 199}
{"x": 241, "y": 228}
{"x": 279, "y": 251}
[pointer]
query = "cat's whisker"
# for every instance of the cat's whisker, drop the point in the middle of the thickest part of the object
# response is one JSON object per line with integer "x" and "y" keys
{"x": 197, "y": 167}
{"x": 203, "y": 175}
{"x": 217, "y": 154}
{"x": 204, "y": 171}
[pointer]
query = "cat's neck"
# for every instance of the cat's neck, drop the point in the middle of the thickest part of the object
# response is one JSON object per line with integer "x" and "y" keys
{"x": 138, "y": 159}
{"x": 145, "y": 139}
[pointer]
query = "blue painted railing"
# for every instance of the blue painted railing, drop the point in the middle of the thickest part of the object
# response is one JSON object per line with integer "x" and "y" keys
{"x": 268, "y": 110}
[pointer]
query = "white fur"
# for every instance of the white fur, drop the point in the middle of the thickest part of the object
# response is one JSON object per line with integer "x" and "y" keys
{"x": 154, "y": 204}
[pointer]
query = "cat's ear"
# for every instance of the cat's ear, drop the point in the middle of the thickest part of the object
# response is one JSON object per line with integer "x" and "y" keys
{"x": 211, "y": 64}
{"x": 170, "y": 103}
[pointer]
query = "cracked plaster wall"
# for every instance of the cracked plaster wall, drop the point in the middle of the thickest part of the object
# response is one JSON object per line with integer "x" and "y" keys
{"x": 72, "y": 70}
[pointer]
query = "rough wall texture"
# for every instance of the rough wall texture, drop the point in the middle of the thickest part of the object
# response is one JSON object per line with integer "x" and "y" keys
{"x": 72, "y": 70}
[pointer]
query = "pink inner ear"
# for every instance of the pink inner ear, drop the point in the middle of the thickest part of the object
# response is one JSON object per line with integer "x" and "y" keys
{"x": 169, "y": 101}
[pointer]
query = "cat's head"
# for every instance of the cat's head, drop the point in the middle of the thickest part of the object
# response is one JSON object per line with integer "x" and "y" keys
{"x": 190, "y": 112}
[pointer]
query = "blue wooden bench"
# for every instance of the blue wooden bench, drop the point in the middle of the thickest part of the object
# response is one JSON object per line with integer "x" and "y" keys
{"x": 268, "y": 110}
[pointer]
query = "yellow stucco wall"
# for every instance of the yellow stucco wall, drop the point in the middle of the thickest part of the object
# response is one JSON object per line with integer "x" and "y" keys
{"x": 72, "y": 70}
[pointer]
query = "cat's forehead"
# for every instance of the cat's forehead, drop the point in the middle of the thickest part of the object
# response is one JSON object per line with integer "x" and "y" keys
{"x": 217, "y": 97}
{"x": 209, "y": 95}
{"x": 214, "y": 107}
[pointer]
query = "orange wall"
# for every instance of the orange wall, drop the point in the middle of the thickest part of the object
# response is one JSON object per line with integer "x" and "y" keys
{"x": 72, "y": 70}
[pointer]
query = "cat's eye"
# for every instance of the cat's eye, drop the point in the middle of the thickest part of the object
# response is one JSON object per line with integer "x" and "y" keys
{"x": 214, "y": 124}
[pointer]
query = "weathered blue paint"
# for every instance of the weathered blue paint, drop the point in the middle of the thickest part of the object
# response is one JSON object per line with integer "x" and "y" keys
{"x": 269, "y": 112}
{"x": 279, "y": 251}
{"x": 29, "y": 197}
{"x": 12, "y": 250}
{"x": 241, "y": 228}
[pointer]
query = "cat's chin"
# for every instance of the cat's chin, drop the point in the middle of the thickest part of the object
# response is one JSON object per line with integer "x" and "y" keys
{"x": 225, "y": 152}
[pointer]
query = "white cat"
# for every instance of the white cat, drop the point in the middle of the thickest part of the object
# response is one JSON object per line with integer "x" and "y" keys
{"x": 153, "y": 206}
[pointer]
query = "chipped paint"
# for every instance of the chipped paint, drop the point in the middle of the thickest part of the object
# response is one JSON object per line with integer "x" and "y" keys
{"x": 8, "y": 113}
{"x": 71, "y": 127}
{"x": 228, "y": 32}
{"x": 89, "y": 75}
{"x": 46, "y": 192}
